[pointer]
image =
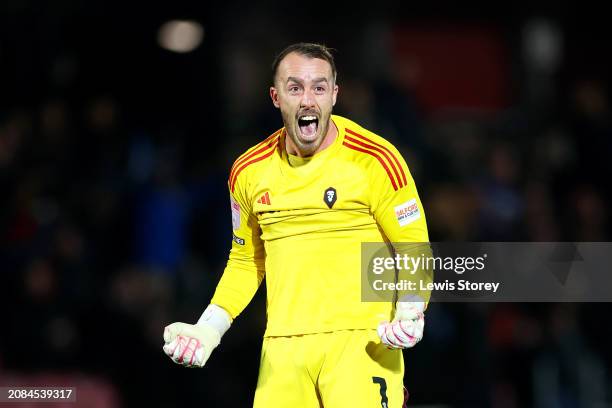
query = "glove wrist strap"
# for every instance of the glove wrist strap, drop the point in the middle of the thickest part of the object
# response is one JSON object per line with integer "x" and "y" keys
{"x": 217, "y": 318}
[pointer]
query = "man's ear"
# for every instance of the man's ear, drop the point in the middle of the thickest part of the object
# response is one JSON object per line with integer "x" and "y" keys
{"x": 274, "y": 96}
{"x": 335, "y": 95}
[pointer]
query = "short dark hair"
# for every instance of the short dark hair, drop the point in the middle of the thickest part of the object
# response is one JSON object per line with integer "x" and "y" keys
{"x": 310, "y": 50}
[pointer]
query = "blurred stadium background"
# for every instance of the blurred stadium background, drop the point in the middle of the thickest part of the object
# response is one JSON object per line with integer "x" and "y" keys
{"x": 117, "y": 131}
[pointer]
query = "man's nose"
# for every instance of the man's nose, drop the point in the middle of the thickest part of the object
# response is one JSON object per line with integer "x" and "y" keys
{"x": 307, "y": 99}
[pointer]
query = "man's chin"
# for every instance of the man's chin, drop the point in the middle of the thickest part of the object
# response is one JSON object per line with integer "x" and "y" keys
{"x": 307, "y": 147}
{"x": 309, "y": 140}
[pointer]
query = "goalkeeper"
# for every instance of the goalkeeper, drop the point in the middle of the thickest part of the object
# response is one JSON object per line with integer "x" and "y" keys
{"x": 302, "y": 202}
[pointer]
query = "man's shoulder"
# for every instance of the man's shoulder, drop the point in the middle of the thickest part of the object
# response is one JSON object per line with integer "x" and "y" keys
{"x": 355, "y": 132}
{"x": 254, "y": 156}
{"x": 374, "y": 152}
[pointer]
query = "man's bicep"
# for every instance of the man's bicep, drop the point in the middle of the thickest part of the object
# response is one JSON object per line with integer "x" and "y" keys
{"x": 398, "y": 211}
{"x": 403, "y": 220}
{"x": 247, "y": 248}
{"x": 400, "y": 215}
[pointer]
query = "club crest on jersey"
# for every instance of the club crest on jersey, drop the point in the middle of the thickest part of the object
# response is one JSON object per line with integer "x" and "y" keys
{"x": 330, "y": 196}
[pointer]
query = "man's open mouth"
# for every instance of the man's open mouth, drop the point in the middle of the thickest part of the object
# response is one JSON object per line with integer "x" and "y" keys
{"x": 308, "y": 125}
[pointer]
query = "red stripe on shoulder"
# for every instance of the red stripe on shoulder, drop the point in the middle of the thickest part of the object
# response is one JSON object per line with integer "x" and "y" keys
{"x": 380, "y": 151}
{"x": 377, "y": 156}
{"x": 268, "y": 150}
{"x": 383, "y": 147}
{"x": 258, "y": 148}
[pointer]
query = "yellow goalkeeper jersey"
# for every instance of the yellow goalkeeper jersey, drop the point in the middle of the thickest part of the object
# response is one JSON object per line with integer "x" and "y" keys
{"x": 301, "y": 221}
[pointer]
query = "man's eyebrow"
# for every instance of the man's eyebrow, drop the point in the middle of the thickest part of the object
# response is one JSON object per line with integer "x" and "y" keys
{"x": 299, "y": 81}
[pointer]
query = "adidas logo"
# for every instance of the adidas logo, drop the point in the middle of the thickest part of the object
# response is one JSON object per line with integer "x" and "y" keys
{"x": 264, "y": 199}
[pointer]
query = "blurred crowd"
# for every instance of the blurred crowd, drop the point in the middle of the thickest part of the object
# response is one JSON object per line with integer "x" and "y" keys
{"x": 104, "y": 241}
{"x": 112, "y": 228}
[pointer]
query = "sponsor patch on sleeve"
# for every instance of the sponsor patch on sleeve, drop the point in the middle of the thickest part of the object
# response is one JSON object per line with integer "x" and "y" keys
{"x": 237, "y": 240}
{"x": 407, "y": 212}
{"x": 235, "y": 214}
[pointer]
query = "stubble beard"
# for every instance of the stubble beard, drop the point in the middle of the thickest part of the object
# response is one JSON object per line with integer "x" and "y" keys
{"x": 293, "y": 131}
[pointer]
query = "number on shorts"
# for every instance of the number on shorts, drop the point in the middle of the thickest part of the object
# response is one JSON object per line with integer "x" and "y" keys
{"x": 384, "y": 401}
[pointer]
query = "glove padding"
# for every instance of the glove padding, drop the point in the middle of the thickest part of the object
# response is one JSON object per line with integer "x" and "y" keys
{"x": 406, "y": 329}
{"x": 191, "y": 344}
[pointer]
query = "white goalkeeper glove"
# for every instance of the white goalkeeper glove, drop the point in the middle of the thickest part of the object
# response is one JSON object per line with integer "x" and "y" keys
{"x": 406, "y": 329}
{"x": 191, "y": 344}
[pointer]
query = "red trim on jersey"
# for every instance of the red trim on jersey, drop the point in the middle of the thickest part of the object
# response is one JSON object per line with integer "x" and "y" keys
{"x": 271, "y": 145}
{"x": 384, "y": 147}
{"x": 377, "y": 156}
{"x": 262, "y": 146}
{"x": 372, "y": 147}
{"x": 249, "y": 154}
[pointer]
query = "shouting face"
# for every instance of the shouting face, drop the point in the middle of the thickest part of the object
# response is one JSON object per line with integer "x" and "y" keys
{"x": 305, "y": 92}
